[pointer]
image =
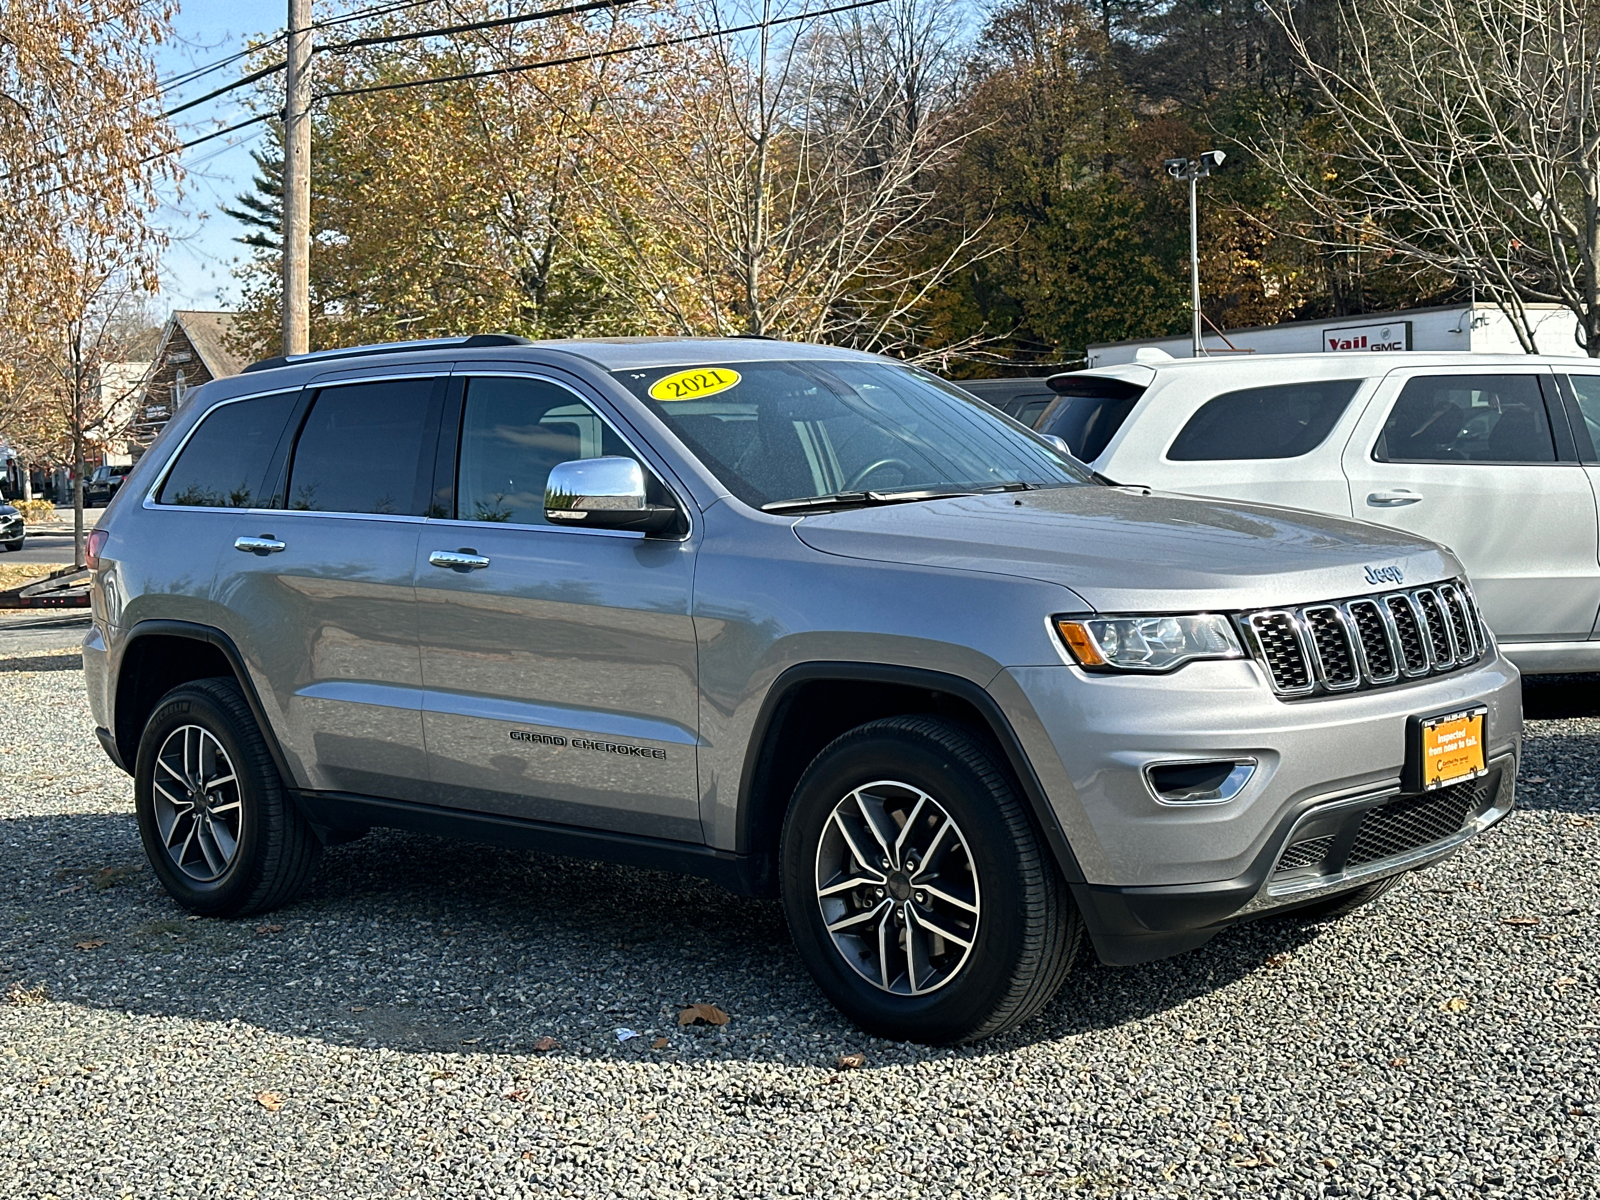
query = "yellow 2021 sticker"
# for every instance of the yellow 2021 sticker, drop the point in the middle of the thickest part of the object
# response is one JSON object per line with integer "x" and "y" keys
{"x": 694, "y": 384}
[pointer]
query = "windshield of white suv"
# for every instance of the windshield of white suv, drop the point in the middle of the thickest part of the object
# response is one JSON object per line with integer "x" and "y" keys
{"x": 786, "y": 435}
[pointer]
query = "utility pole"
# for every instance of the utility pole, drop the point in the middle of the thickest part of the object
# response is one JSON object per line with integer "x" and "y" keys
{"x": 297, "y": 182}
{"x": 1193, "y": 171}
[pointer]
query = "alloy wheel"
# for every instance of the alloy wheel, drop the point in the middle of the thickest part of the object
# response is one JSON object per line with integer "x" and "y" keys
{"x": 897, "y": 888}
{"x": 197, "y": 803}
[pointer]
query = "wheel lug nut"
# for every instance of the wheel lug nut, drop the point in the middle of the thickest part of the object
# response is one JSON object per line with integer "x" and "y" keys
{"x": 922, "y": 897}
{"x": 878, "y": 892}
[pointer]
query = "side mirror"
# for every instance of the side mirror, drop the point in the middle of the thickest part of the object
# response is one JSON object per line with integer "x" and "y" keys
{"x": 603, "y": 493}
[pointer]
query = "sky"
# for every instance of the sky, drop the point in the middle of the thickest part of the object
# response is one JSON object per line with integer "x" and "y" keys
{"x": 198, "y": 267}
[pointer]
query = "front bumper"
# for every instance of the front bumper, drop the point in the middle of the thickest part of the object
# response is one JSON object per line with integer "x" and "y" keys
{"x": 1155, "y": 878}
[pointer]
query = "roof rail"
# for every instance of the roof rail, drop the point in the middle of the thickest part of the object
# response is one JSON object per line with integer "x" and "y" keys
{"x": 474, "y": 342}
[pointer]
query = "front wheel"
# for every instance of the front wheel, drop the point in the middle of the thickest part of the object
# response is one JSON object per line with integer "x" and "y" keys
{"x": 918, "y": 891}
{"x": 16, "y": 545}
{"x": 217, "y": 826}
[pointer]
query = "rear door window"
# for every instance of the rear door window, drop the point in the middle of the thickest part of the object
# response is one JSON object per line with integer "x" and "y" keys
{"x": 362, "y": 448}
{"x": 1280, "y": 421}
{"x": 1468, "y": 418}
{"x": 223, "y": 463}
{"x": 1586, "y": 393}
{"x": 1089, "y": 413}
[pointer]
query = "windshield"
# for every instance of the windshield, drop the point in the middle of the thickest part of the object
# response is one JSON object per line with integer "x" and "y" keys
{"x": 786, "y": 431}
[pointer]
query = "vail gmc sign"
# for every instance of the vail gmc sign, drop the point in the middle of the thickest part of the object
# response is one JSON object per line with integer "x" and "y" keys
{"x": 1396, "y": 335}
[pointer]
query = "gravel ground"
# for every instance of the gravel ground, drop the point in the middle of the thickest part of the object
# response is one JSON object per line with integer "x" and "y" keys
{"x": 382, "y": 1037}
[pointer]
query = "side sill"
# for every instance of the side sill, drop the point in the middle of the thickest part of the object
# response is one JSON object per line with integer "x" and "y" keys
{"x": 340, "y": 816}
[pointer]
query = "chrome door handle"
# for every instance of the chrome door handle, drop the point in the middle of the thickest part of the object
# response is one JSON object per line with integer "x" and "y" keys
{"x": 265, "y": 544}
{"x": 1393, "y": 499}
{"x": 463, "y": 559}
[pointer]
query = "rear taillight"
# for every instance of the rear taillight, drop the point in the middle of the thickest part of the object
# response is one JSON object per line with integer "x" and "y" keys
{"x": 97, "y": 543}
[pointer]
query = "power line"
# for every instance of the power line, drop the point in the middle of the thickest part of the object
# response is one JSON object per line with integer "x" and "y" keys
{"x": 598, "y": 54}
{"x": 497, "y": 23}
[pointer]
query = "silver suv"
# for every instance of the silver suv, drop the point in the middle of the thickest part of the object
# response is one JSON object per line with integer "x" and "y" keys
{"x": 807, "y": 622}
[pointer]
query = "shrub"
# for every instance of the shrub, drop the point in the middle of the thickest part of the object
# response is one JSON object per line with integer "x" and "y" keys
{"x": 34, "y": 511}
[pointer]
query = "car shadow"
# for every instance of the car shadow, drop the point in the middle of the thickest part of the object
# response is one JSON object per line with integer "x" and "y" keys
{"x": 414, "y": 943}
{"x": 1560, "y": 697}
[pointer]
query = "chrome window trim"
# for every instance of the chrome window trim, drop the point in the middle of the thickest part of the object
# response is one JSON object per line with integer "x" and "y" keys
{"x": 150, "y": 501}
{"x": 631, "y": 535}
{"x": 467, "y": 373}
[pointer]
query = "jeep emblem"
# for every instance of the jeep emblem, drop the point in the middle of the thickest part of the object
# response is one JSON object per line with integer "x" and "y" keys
{"x": 1385, "y": 575}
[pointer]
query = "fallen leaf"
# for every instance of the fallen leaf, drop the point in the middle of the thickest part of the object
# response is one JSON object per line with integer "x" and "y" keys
{"x": 660, "y": 1043}
{"x": 70, "y": 890}
{"x": 546, "y": 1043}
{"x": 1246, "y": 1162}
{"x": 1329, "y": 1163}
{"x": 1399, "y": 1062}
{"x": 1455, "y": 1004}
{"x": 358, "y": 1008}
{"x": 24, "y": 997}
{"x": 518, "y": 1094}
{"x": 708, "y": 1013}
{"x": 1278, "y": 960}
{"x": 89, "y": 945}
{"x": 849, "y": 1062}
{"x": 1565, "y": 981}
{"x": 270, "y": 1101}
{"x": 1519, "y": 920}
{"x": 269, "y": 928}
{"x": 194, "y": 917}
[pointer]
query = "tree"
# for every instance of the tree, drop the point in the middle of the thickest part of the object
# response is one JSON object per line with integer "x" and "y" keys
{"x": 782, "y": 186}
{"x": 1469, "y": 145}
{"x": 87, "y": 156}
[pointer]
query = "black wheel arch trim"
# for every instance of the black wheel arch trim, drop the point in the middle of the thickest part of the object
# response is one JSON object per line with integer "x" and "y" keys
{"x": 213, "y": 636}
{"x": 999, "y": 727}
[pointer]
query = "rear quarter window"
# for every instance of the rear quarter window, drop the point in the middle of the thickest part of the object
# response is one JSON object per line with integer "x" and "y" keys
{"x": 1285, "y": 420}
{"x": 223, "y": 463}
{"x": 1088, "y": 413}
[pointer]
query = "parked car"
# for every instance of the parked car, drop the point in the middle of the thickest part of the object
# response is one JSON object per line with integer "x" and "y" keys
{"x": 102, "y": 485}
{"x": 1495, "y": 456}
{"x": 12, "y": 532}
{"x": 804, "y": 621}
{"x": 1020, "y": 399}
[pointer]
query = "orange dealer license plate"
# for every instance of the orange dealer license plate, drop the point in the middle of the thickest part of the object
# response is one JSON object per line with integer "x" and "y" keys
{"x": 1448, "y": 748}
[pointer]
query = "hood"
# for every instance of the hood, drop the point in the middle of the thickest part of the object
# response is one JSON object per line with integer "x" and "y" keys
{"x": 1127, "y": 550}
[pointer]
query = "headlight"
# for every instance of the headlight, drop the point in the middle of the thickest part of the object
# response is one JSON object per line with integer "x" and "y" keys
{"x": 1148, "y": 643}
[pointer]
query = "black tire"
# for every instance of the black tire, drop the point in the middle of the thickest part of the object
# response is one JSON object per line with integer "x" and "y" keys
{"x": 1344, "y": 903}
{"x": 275, "y": 848}
{"x": 1027, "y": 928}
{"x": 14, "y": 546}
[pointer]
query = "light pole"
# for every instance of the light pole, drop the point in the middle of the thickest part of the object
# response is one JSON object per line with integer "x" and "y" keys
{"x": 1194, "y": 170}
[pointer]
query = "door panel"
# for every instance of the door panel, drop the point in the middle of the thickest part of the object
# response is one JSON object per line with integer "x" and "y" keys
{"x": 560, "y": 677}
{"x": 323, "y": 590}
{"x": 1485, "y": 482}
{"x": 1583, "y": 412}
{"x": 330, "y": 620}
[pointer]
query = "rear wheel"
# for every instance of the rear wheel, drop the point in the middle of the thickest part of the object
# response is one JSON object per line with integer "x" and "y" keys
{"x": 918, "y": 891}
{"x": 1344, "y": 903}
{"x": 220, "y": 833}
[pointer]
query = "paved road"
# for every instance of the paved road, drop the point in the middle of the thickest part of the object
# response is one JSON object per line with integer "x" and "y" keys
{"x": 382, "y": 1036}
{"x": 53, "y": 544}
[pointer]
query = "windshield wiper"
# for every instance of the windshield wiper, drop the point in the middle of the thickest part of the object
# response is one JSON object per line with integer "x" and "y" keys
{"x": 902, "y": 496}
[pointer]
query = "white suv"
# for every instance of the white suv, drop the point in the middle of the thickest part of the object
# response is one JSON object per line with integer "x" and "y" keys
{"x": 1492, "y": 455}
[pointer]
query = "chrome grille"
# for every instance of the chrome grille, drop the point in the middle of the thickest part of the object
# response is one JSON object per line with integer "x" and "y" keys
{"x": 1370, "y": 641}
